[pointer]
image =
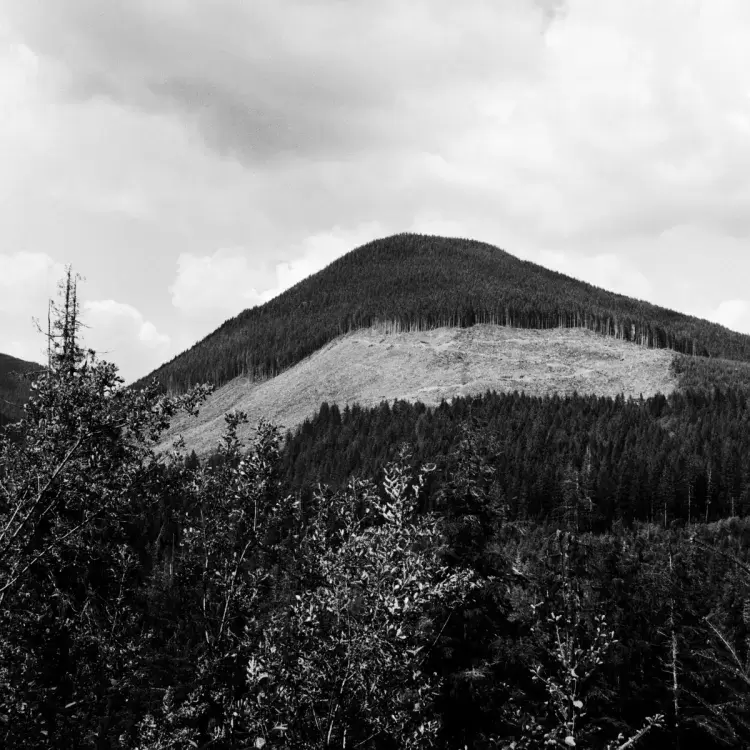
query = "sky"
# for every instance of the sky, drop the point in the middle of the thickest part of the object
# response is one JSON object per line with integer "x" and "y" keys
{"x": 192, "y": 159}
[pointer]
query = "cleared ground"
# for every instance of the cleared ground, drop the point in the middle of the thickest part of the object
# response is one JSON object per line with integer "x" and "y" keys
{"x": 368, "y": 367}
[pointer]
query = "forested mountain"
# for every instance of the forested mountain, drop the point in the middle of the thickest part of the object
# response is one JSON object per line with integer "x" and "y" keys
{"x": 416, "y": 282}
{"x": 14, "y": 390}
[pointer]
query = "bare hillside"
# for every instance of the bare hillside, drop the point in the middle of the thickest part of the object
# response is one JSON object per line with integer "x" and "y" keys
{"x": 368, "y": 366}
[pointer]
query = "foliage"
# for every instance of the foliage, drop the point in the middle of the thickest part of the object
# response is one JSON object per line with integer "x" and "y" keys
{"x": 583, "y": 462}
{"x": 573, "y": 641}
{"x": 727, "y": 656}
{"x": 154, "y": 602}
{"x": 72, "y": 483}
{"x": 14, "y": 387}
{"x": 342, "y": 660}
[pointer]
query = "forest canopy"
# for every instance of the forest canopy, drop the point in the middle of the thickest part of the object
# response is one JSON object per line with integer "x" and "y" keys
{"x": 14, "y": 387}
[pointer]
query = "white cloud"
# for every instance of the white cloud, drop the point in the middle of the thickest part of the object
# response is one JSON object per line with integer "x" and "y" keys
{"x": 150, "y": 336}
{"x": 732, "y": 313}
{"x": 231, "y": 280}
{"x": 27, "y": 282}
{"x": 433, "y": 223}
{"x": 225, "y": 281}
{"x": 605, "y": 270}
{"x": 319, "y": 250}
{"x": 118, "y": 332}
{"x": 107, "y": 312}
{"x": 23, "y": 350}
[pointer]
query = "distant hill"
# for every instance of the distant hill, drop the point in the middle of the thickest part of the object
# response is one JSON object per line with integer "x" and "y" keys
{"x": 14, "y": 390}
{"x": 416, "y": 282}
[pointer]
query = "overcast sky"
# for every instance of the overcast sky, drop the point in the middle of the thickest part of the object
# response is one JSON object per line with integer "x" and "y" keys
{"x": 193, "y": 158}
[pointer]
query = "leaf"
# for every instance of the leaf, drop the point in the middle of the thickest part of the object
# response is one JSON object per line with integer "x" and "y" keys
{"x": 570, "y": 742}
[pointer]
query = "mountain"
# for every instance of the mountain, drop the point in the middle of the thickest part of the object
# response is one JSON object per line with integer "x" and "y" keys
{"x": 423, "y": 318}
{"x": 413, "y": 283}
{"x": 14, "y": 390}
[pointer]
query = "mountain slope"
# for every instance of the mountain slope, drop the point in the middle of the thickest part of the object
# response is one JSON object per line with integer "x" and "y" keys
{"x": 417, "y": 282}
{"x": 13, "y": 390}
{"x": 578, "y": 461}
{"x": 369, "y": 366}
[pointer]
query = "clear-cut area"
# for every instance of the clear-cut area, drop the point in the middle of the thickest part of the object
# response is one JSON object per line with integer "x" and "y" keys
{"x": 369, "y": 366}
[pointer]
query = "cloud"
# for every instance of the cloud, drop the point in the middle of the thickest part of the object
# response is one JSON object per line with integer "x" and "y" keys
{"x": 433, "y": 223}
{"x": 605, "y": 270}
{"x": 564, "y": 119}
{"x": 107, "y": 313}
{"x": 261, "y": 81}
{"x": 209, "y": 289}
{"x": 734, "y": 314}
{"x": 233, "y": 279}
{"x": 119, "y": 332}
{"x": 319, "y": 250}
{"x": 27, "y": 282}
{"x": 224, "y": 281}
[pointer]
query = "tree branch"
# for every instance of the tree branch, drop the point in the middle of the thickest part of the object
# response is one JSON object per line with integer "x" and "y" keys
{"x": 37, "y": 500}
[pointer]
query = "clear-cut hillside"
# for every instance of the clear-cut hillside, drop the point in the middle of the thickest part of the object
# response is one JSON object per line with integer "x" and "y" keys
{"x": 369, "y": 366}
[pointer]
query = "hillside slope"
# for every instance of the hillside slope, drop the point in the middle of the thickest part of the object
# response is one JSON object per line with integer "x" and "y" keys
{"x": 369, "y": 366}
{"x": 419, "y": 283}
{"x": 13, "y": 390}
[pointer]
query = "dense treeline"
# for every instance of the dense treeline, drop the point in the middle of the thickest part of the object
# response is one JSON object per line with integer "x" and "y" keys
{"x": 14, "y": 389}
{"x": 706, "y": 375}
{"x": 415, "y": 282}
{"x": 656, "y": 592}
{"x": 593, "y": 459}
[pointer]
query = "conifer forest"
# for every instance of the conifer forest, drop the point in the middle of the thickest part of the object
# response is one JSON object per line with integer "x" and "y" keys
{"x": 501, "y": 571}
